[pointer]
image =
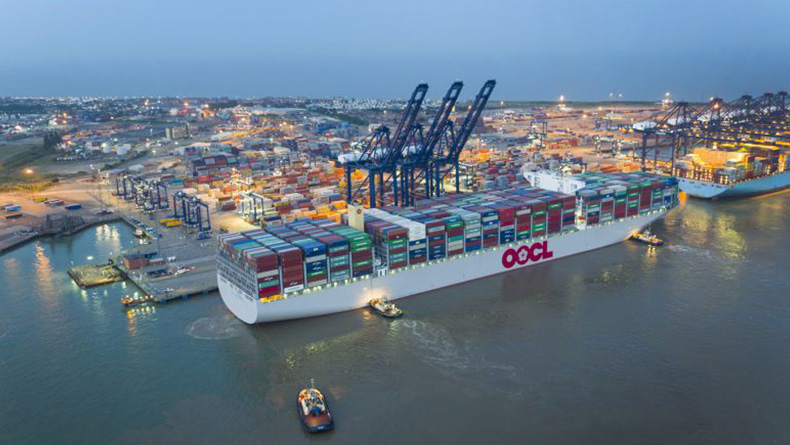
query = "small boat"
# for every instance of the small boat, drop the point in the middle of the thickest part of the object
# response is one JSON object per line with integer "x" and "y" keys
{"x": 648, "y": 238}
{"x": 313, "y": 410}
{"x": 139, "y": 233}
{"x": 132, "y": 301}
{"x": 385, "y": 308}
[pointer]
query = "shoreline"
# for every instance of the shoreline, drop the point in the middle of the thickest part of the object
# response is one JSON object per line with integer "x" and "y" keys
{"x": 22, "y": 240}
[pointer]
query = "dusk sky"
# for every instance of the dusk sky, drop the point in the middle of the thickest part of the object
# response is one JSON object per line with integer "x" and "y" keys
{"x": 535, "y": 50}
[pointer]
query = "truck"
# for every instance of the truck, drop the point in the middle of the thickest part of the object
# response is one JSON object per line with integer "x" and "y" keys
{"x": 157, "y": 273}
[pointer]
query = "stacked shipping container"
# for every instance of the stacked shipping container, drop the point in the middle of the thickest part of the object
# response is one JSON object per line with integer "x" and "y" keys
{"x": 281, "y": 260}
{"x": 308, "y": 253}
{"x": 614, "y": 196}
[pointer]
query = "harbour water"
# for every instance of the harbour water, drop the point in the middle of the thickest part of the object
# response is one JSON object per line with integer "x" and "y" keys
{"x": 683, "y": 344}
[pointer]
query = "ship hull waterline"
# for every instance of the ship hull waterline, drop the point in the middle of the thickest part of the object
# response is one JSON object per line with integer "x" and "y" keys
{"x": 754, "y": 187}
{"x": 406, "y": 283}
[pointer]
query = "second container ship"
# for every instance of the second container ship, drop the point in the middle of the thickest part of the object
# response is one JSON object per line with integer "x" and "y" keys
{"x": 316, "y": 267}
{"x": 734, "y": 170}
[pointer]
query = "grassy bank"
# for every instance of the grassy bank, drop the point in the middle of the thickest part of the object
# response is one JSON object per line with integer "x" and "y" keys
{"x": 18, "y": 167}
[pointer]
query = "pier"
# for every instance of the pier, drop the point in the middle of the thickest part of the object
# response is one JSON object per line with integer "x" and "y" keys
{"x": 169, "y": 287}
{"x": 176, "y": 265}
{"x": 91, "y": 275}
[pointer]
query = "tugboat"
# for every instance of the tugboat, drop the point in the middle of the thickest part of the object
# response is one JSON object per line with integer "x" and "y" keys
{"x": 648, "y": 238}
{"x": 385, "y": 308}
{"x": 313, "y": 410}
{"x": 132, "y": 301}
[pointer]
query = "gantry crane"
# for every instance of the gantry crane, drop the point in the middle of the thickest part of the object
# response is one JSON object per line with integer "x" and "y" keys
{"x": 439, "y": 134}
{"x": 381, "y": 152}
{"x": 445, "y": 162}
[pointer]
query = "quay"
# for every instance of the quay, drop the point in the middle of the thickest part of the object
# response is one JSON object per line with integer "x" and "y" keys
{"x": 91, "y": 275}
{"x": 171, "y": 262}
{"x": 170, "y": 287}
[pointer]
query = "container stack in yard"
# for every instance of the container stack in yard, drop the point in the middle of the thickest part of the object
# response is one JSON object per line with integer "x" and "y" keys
{"x": 297, "y": 192}
{"x": 493, "y": 169}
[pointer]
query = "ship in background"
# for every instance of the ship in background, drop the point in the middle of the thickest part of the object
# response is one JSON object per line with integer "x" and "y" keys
{"x": 721, "y": 149}
{"x": 309, "y": 268}
{"x": 734, "y": 170}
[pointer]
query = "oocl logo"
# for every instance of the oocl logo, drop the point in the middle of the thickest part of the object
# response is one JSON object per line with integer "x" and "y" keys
{"x": 525, "y": 254}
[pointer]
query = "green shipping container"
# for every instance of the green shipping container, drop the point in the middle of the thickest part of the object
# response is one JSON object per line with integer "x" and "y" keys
{"x": 362, "y": 263}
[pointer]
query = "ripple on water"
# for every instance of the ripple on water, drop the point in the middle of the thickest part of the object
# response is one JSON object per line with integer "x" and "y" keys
{"x": 696, "y": 251}
{"x": 437, "y": 347}
{"x": 220, "y": 327}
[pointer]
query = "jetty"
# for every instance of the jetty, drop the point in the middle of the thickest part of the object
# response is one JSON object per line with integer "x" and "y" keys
{"x": 91, "y": 275}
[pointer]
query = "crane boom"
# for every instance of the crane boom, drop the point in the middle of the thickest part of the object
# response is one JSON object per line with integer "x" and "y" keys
{"x": 440, "y": 122}
{"x": 405, "y": 126}
{"x": 468, "y": 126}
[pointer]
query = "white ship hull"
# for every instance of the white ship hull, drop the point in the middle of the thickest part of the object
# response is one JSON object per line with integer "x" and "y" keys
{"x": 709, "y": 190}
{"x": 445, "y": 273}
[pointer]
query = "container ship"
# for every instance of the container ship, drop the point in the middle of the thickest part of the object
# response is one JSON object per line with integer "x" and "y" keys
{"x": 313, "y": 267}
{"x": 730, "y": 170}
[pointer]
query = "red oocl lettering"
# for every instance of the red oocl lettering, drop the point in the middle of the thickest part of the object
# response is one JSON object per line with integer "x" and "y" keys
{"x": 536, "y": 252}
{"x": 546, "y": 252}
{"x": 509, "y": 258}
{"x": 525, "y": 254}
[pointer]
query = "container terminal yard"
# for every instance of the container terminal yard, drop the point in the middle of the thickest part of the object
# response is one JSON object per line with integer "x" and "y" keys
{"x": 183, "y": 171}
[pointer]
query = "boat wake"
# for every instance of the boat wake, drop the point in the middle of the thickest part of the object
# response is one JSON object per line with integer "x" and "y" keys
{"x": 220, "y": 327}
{"x": 438, "y": 349}
{"x": 696, "y": 251}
